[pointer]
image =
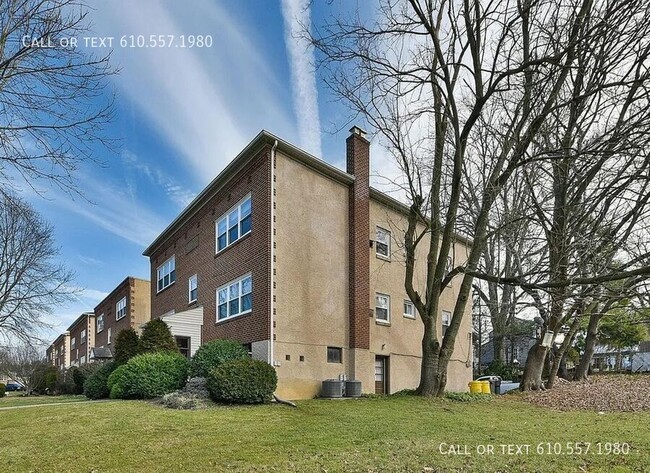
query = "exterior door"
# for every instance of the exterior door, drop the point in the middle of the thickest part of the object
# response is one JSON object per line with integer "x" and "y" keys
{"x": 381, "y": 375}
{"x": 184, "y": 346}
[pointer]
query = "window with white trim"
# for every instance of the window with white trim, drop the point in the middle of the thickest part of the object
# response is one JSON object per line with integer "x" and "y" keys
{"x": 446, "y": 321}
{"x": 83, "y": 337}
{"x": 166, "y": 274}
{"x": 110, "y": 333}
{"x": 82, "y": 360}
{"x": 235, "y": 298}
{"x": 382, "y": 243}
{"x": 120, "y": 308}
{"x": 73, "y": 343}
{"x": 382, "y": 308}
{"x": 409, "y": 309}
{"x": 235, "y": 224}
{"x": 193, "y": 288}
{"x": 100, "y": 323}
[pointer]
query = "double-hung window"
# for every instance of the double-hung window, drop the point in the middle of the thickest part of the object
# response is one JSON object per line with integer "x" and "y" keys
{"x": 73, "y": 343}
{"x": 234, "y": 225}
{"x": 83, "y": 337}
{"x": 382, "y": 243}
{"x": 166, "y": 274}
{"x": 100, "y": 323}
{"x": 235, "y": 298}
{"x": 193, "y": 289}
{"x": 409, "y": 309}
{"x": 382, "y": 308}
{"x": 446, "y": 321}
{"x": 120, "y": 308}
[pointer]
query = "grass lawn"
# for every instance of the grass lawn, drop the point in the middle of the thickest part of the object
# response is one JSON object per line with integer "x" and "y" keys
{"x": 369, "y": 435}
{"x": 17, "y": 399}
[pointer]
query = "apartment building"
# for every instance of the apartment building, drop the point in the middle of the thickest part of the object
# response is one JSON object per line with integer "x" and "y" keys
{"x": 81, "y": 335}
{"x": 127, "y": 306}
{"x": 302, "y": 263}
{"x": 58, "y": 354}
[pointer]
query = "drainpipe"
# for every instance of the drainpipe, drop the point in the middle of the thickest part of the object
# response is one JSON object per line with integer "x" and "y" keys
{"x": 275, "y": 145}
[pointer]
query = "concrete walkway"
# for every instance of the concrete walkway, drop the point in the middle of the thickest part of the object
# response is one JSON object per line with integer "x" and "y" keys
{"x": 45, "y": 404}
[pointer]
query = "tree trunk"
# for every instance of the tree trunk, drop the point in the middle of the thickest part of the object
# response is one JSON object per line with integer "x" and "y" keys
{"x": 429, "y": 373}
{"x": 497, "y": 346}
{"x": 590, "y": 346}
{"x": 532, "y": 379}
{"x": 559, "y": 362}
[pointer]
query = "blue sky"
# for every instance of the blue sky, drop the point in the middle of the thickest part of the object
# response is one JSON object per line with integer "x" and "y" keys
{"x": 181, "y": 116}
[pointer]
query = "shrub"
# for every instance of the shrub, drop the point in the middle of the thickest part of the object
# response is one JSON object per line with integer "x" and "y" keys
{"x": 182, "y": 400}
{"x": 127, "y": 345}
{"x": 156, "y": 336}
{"x": 96, "y": 384}
{"x": 149, "y": 375}
{"x": 245, "y": 381}
{"x": 2, "y": 389}
{"x": 64, "y": 383}
{"x": 212, "y": 354}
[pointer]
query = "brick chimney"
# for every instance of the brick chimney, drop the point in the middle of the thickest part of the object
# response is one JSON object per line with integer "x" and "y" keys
{"x": 358, "y": 164}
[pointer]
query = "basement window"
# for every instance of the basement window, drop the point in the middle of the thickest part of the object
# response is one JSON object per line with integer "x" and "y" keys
{"x": 334, "y": 355}
{"x": 382, "y": 243}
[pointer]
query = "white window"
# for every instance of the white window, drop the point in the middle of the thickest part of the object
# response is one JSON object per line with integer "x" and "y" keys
{"x": 100, "y": 323}
{"x": 446, "y": 320}
{"x": 235, "y": 224}
{"x": 109, "y": 335}
{"x": 409, "y": 309}
{"x": 166, "y": 274}
{"x": 449, "y": 265}
{"x": 82, "y": 360}
{"x": 193, "y": 288}
{"x": 73, "y": 343}
{"x": 83, "y": 337}
{"x": 120, "y": 308}
{"x": 382, "y": 308}
{"x": 382, "y": 243}
{"x": 235, "y": 298}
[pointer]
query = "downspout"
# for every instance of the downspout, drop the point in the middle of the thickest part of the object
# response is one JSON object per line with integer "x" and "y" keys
{"x": 271, "y": 360}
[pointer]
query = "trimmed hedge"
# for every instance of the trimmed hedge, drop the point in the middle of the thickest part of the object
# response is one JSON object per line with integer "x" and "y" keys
{"x": 245, "y": 381}
{"x": 96, "y": 384}
{"x": 212, "y": 354}
{"x": 149, "y": 375}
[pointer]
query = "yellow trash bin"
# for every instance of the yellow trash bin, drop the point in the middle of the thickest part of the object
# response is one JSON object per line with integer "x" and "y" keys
{"x": 485, "y": 387}
{"x": 475, "y": 387}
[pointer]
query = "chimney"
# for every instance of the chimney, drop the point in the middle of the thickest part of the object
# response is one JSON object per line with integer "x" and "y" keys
{"x": 358, "y": 164}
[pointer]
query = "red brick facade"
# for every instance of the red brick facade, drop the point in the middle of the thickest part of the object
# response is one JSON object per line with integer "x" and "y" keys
{"x": 81, "y": 349}
{"x": 194, "y": 246}
{"x": 358, "y": 164}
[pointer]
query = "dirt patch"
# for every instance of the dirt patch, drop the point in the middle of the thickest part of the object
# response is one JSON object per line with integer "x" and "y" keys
{"x": 606, "y": 393}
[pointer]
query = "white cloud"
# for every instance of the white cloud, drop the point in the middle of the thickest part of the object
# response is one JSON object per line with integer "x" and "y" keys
{"x": 297, "y": 15}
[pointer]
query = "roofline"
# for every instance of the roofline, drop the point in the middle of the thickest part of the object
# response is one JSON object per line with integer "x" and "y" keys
{"x": 263, "y": 138}
{"x": 405, "y": 209}
{"x": 78, "y": 319}
{"x": 119, "y": 286}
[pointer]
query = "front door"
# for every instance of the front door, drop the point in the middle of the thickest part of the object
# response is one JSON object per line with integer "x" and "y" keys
{"x": 381, "y": 375}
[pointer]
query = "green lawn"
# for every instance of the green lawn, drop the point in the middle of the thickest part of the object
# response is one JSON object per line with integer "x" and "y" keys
{"x": 369, "y": 435}
{"x": 17, "y": 399}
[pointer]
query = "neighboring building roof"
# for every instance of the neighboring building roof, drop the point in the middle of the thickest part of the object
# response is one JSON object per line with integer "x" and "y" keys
{"x": 79, "y": 319}
{"x": 101, "y": 353}
{"x": 265, "y": 138}
{"x": 124, "y": 282}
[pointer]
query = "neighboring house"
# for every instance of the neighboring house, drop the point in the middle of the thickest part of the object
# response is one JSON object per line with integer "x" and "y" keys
{"x": 82, "y": 339}
{"x": 127, "y": 306}
{"x": 303, "y": 264}
{"x": 516, "y": 349}
{"x": 58, "y": 354}
{"x": 641, "y": 359}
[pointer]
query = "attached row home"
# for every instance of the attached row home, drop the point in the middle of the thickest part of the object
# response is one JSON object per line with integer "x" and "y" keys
{"x": 303, "y": 263}
{"x": 91, "y": 337}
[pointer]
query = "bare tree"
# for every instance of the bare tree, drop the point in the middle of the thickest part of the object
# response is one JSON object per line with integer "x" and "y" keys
{"x": 53, "y": 95}
{"x": 434, "y": 77}
{"x": 24, "y": 363}
{"x": 32, "y": 284}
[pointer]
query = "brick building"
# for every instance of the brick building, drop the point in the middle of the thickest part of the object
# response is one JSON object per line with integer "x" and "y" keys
{"x": 302, "y": 263}
{"x": 81, "y": 339}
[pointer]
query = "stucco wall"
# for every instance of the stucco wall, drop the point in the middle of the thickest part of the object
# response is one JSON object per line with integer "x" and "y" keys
{"x": 311, "y": 277}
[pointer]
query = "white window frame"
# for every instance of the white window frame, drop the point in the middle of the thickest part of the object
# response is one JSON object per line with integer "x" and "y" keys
{"x": 442, "y": 320}
{"x": 101, "y": 317}
{"x": 225, "y": 218}
{"x": 412, "y": 306}
{"x": 120, "y": 307}
{"x": 73, "y": 343}
{"x": 387, "y": 308}
{"x": 82, "y": 360}
{"x": 191, "y": 279}
{"x": 378, "y": 241}
{"x": 168, "y": 268}
{"x": 110, "y": 335}
{"x": 82, "y": 337}
{"x": 239, "y": 297}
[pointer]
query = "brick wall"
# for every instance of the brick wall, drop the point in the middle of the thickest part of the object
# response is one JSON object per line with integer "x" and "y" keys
{"x": 81, "y": 349}
{"x": 358, "y": 164}
{"x": 194, "y": 247}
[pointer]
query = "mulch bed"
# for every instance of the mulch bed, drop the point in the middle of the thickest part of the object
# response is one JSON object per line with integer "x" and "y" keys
{"x": 603, "y": 393}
